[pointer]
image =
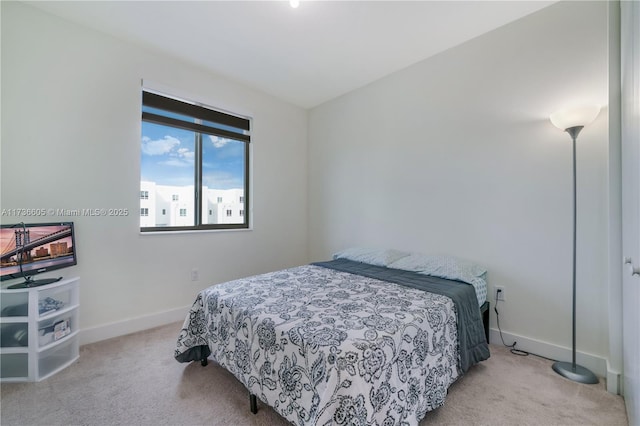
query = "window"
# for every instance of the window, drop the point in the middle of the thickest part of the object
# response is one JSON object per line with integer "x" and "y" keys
{"x": 144, "y": 195}
{"x": 144, "y": 211}
{"x": 241, "y": 212}
{"x": 192, "y": 155}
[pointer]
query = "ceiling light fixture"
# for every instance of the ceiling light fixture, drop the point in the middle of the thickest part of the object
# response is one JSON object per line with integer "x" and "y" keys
{"x": 294, "y": 3}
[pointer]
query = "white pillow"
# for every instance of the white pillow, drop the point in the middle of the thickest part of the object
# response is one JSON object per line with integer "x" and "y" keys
{"x": 372, "y": 256}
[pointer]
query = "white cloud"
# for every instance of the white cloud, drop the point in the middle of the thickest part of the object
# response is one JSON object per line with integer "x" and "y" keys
{"x": 185, "y": 153}
{"x": 160, "y": 146}
{"x": 218, "y": 142}
{"x": 169, "y": 147}
{"x": 176, "y": 162}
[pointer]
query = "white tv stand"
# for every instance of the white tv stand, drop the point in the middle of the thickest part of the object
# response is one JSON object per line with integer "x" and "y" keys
{"x": 39, "y": 330}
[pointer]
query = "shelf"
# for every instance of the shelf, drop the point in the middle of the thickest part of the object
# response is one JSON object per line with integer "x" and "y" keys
{"x": 58, "y": 342}
{"x": 15, "y": 350}
{"x": 58, "y": 357}
{"x": 14, "y": 335}
{"x": 11, "y": 320}
{"x": 29, "y": 350}
{"x": 14, "y": 303}
{"x": 14, "y": 366}
{"x": 53, "y": 314}
{"x": 52, "y": 332}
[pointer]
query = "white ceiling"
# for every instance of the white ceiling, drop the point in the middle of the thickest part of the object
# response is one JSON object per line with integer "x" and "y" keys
{"x": 305, "y": 56}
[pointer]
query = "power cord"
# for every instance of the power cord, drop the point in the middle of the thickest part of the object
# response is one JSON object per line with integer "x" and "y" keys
{"x": 512, "y": 346}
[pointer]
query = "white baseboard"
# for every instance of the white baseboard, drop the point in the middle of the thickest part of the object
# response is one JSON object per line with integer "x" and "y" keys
{"x": 597, "y": 364}
{"x": 614, "y": 380}
{"x": 131, "y": 325}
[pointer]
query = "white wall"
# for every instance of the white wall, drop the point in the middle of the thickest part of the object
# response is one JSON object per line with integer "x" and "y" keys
{"x": 456, "y": 155}
{"x": 71, "y": 139}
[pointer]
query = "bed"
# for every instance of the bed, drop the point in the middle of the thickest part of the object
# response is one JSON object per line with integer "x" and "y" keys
{"x": 370, "y": 340}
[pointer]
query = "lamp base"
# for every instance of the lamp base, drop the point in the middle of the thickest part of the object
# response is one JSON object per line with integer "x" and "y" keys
{"x": 575, "y": 372}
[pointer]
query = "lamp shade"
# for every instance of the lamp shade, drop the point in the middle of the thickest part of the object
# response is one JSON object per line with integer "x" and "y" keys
{"x": 580, "y": 116}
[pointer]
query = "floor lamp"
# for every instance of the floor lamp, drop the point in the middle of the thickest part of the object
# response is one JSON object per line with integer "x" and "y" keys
{"x": 573, "y": 121}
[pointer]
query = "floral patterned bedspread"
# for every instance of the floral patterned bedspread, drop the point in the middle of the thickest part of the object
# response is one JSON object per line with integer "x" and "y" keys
{"x": 324, "y": 347}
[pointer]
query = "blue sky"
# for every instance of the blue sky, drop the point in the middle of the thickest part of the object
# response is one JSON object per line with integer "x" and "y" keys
{"x": 168, "y": 154}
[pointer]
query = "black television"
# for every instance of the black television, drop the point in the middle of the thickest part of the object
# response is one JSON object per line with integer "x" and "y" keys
{"x": 28, "y": 249}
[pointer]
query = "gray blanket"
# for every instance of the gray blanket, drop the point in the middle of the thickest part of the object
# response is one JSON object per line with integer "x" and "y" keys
{"x": 471, "y": 336}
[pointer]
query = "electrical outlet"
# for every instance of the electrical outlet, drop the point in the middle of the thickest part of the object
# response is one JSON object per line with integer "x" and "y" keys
{"x": 195, "y": 276}
{"x": 500, "y": 294}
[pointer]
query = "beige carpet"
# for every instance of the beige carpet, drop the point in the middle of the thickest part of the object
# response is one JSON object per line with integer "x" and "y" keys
{"x": 134, "y": 380}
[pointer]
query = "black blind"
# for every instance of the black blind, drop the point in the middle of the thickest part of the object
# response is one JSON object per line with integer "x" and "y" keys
{"x": 232, "y": 126}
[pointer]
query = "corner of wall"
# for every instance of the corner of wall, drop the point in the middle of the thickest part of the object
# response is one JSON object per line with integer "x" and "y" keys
{"x": 614, "y": 381}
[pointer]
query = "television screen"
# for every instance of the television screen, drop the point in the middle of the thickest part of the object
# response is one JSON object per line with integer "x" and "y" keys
{"x": 34, "y": 248}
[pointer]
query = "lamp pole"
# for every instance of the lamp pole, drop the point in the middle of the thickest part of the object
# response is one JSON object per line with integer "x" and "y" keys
{"x": 573, "y": 132}
{"x": 572, "y": 370}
